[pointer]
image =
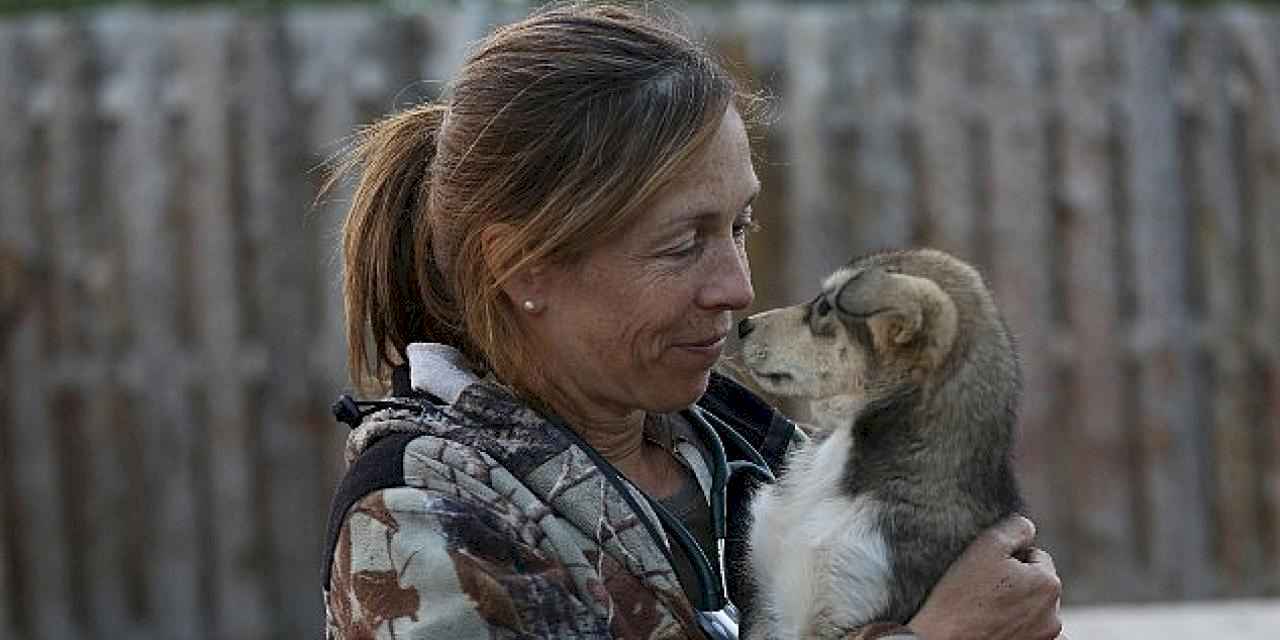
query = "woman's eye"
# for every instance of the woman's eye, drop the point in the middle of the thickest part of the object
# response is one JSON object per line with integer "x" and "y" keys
{"x": 744, "y": 226}
{"x": 688, "y": 247}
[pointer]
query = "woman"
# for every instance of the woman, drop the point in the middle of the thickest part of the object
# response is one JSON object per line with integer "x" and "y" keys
{"x": 544, "y": 267}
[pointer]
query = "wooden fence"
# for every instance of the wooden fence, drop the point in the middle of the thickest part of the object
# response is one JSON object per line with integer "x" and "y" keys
{"x": 170, "y": 321}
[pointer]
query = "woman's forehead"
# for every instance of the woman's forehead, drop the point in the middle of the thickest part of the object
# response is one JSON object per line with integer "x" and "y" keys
{"x": 720, "y": 179}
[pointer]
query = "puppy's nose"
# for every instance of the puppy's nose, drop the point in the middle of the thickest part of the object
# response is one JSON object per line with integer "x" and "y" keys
{"x": 745, "y": 327}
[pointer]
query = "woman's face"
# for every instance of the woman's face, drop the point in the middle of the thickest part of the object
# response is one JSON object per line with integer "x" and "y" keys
{"x": 639, "y": 321}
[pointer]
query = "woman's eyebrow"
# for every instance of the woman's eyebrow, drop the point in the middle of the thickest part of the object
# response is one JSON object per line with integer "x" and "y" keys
{"x": 699, "y": 214}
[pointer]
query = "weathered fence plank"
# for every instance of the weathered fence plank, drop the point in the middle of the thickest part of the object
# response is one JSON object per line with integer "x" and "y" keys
{"x": 1220, "y": 254}
{"x": 872, "y": 74}
{"x": 210, "y": 61}
{"x": 11, "y": 273}
{"x": 140, "y": 104}
{"x": 817, "y": 227}
{"x": 14, "y": 288}
{"x": 1020, "y": 243}
{"x": 82, "y": 235}
{"x": 41, "y": 556}
{"x": 1176, "y": 504}
{"x": 1101, "y": 529}
{"x": 1259, "y": 61}
{"x": 277, "y": 161}
{"x": 117, "y": 505}
{"x": 946, "y": 159}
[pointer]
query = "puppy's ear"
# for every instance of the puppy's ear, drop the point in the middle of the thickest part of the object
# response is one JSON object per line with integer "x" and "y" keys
{"x": 901, "y": 310}
{"x": 895, "y": 327}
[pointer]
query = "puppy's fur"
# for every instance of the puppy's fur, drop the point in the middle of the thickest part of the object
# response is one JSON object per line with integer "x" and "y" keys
{"x": 913, "y": 381}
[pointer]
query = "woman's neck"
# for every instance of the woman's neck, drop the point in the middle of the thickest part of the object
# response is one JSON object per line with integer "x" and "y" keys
{"x": 621, "y": 441}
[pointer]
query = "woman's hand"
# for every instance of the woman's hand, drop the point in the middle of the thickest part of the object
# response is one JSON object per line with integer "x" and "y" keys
{"x": 1000, "y": 588}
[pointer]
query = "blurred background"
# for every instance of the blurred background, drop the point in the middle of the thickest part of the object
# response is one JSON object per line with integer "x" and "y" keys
{"x": 171, "y": 321}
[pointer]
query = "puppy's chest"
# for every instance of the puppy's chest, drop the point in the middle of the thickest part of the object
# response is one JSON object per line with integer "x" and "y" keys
{"x": 810, "y": 508}
{"x": 816, "y": 547}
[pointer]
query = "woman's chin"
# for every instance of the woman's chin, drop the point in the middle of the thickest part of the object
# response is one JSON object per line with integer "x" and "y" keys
{"x": 681, "y": 391}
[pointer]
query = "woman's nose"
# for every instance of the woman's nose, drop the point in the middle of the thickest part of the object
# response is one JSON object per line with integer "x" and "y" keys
{"x": 730, "y": 283}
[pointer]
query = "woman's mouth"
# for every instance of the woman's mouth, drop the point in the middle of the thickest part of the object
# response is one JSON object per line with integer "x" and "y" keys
{"x": 708, "y": 347}
{"x": 713, "y": 341}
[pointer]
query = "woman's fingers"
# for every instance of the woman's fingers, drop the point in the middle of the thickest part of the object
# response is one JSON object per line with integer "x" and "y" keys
{"x": 1011, "y": 534}
{"x": 1044, "y": 585}
{"x": 1040, "y": 562}
{"x": 1034, "y": 580}
{"x": 1001, "y": 588}
{"x": 1039, "y": 559}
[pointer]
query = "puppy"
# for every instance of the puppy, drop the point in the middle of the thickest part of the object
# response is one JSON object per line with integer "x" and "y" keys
{"x": 913, "y": 382}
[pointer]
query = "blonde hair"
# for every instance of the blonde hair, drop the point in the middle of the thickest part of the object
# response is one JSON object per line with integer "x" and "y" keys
{"x": 560, "y": 127}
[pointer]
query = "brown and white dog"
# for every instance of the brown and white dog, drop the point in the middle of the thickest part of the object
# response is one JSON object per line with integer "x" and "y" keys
{"x": 913, "y": 383}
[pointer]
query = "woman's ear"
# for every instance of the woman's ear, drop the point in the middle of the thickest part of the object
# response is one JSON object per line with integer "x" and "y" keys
{"x": 524, "y": 287}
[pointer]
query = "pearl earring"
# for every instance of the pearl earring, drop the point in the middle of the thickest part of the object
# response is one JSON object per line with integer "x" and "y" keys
{"x": 530, "y": 306}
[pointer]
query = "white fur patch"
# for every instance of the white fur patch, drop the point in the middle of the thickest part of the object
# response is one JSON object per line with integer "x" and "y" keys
{"x": 835, "y": 280}
{"x": 818, "y": 555}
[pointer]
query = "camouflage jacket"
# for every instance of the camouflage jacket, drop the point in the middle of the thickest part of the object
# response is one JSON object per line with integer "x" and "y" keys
{"x": 465, "y": 514}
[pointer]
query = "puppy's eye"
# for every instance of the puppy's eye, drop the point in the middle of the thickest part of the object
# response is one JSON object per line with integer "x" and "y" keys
{"x": 893, "y": 269}
{"x": 823, "y": 307}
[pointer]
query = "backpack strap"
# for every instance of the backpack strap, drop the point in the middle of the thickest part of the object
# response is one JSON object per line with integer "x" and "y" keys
{"x": 380, "y": 466}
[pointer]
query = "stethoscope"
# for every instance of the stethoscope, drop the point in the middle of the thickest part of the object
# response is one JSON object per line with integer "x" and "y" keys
{"x": 716, "y": 615}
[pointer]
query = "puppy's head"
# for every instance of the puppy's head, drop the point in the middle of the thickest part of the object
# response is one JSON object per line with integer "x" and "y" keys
{"x": 879, "y": 322}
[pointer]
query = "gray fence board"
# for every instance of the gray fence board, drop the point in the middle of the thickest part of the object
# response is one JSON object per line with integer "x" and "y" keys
{"x": 944, "y": 156}
{"x": 142, "y": 107}
{"x": 1019, "y": 237}
{"x": 120, "y": 500}
{"x": 211, "y": 60}
{"x": 1176, "y": 502}
{"x": 817, "y": 231}
{"x": 11, "y": 274}
{"x": 872, "y": 72}
{"x": 279, "y": 158}
{"x": 1260, "y": 78}
{"x": 15, "y": 259}
{"x": 1221, "y": 253}
{"x": 95, "y": 484}
{"x": 40, "y": 529}
{"x": 1103, "y": 535}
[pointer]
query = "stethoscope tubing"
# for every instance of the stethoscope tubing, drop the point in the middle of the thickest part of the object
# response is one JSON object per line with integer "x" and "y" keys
{"x": 721, "y": 474}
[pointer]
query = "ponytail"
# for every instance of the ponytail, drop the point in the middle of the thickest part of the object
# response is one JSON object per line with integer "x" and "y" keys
{"x": 391, "y": 289}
